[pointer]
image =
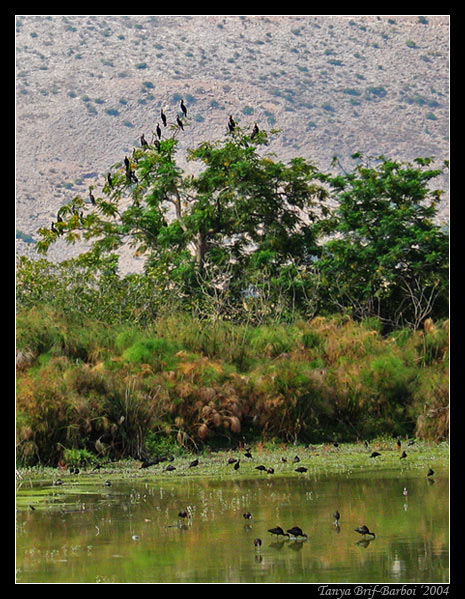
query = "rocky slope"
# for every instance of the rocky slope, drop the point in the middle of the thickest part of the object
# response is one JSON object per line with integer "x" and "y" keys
{"x": 89, "y": 86}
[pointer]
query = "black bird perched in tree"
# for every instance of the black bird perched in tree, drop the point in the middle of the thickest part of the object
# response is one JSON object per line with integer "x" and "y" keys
{"x": 131, "y": 176}
{"x": 278, "y": 531}
{"x": 158, "y": 130}
{"x": 404, "y": 455}
{"x": 375, "y": 454}
{"x": 126, "y": 162}
{"x": 254, "y": 131}
{"x": 110, "y": 182}
{"x": 143, "y": 141}
{"x": 364, "y": 530}
{"x": 53, "y": 228}
{"x": 231, "y": 124}
{"x": 183, "y": 108}
{"x": 156, "y": 143}
{"x": 301, "y": 469}
{"x": 179, "y": 122}
{"x": 91, "y": 197}
{"x": 163, "y": 117}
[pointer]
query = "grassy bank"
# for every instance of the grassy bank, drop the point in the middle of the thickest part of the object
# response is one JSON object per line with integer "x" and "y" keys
{"x": 113, "y": 391}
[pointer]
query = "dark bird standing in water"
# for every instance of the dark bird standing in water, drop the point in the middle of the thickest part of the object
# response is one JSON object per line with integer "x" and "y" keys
{"x": 247, "y": 516}
{"x": 430, "y": 472}
{"x": 364, "y": 530}
{"x": 278, "y": 531}
{"x": 337, "y": 515}
{"x": 257, "y": 543}
{"x": 295, "y": 531}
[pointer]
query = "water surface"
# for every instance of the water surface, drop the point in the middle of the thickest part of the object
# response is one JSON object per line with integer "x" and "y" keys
{"x": 129, "y": 532}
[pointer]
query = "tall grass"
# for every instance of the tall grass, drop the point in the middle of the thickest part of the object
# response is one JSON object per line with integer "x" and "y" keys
{"x": 124, "y": 390}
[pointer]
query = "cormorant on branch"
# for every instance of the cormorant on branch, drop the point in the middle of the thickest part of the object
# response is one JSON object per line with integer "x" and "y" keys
{"x": 91, "y": 197}
{"x": 231, "y": 124}
{"x": 183, "y": 108}
{"x": 179, "y": 122}
{"x": 110, "y": 182}
{"x": 156, "y": 143}
{"x": 158, "y": 131}
{"x": 131, "y": 177}
{"x": 143, "y": 141}
{"x": 126, "y": 162}
{"x": 53, "y": 228}
{"x": 163, "y": 117}
{"x": 254, "y": 131}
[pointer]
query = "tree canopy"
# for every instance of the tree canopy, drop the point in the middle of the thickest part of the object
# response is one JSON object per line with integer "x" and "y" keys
{"x": 245, "y": 225}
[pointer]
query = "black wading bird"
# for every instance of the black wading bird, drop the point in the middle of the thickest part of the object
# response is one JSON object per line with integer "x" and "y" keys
{"x": 364, "y": 530}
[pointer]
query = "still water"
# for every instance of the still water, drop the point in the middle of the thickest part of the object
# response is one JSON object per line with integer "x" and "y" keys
{"x": 130, "y": 532}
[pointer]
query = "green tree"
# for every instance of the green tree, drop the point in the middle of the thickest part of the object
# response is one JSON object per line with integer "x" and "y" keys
{"x": 386, "y": 255}
{"x": 241, "y": 212}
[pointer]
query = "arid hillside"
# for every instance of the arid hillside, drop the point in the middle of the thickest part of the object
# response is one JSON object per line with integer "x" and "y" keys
{"x": 89, "y": 86}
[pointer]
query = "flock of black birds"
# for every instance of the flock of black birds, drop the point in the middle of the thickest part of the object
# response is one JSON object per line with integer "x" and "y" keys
{"x": 155, "y": 142}
{"x": 295, "y": 533}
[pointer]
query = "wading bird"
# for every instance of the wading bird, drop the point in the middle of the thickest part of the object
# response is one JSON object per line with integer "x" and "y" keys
{"x": 278, "y": 531}
{"x": 364, "y": 530}
{"x": 296, "y": 533}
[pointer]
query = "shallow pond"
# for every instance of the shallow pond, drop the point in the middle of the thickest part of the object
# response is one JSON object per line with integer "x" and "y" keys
{"x": 130, "y": 532}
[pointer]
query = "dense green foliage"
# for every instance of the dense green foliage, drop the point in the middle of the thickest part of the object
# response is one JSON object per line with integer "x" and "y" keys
{"x": 122, "y": 390}
{"x": 276, "y": 301}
